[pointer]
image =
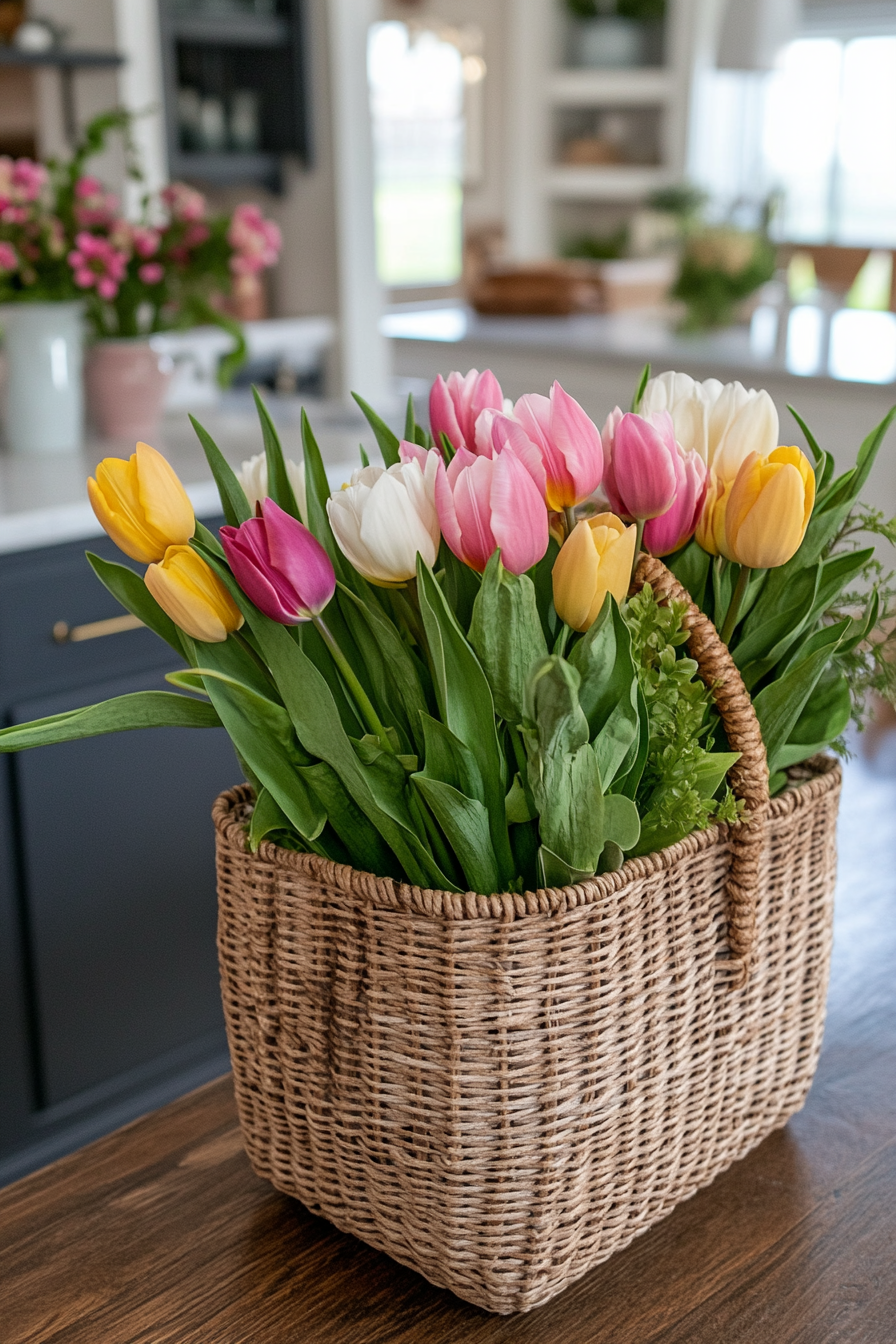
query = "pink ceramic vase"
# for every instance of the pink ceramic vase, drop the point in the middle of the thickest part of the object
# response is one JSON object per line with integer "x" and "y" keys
{"x": 126, "y": 381}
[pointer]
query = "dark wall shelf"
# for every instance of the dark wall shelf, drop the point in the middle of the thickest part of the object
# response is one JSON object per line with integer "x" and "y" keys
{"x": 215, "y": 62}
{"x": 64, "y": 57}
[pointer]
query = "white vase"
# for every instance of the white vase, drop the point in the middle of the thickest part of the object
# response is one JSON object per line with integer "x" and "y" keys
{"x": 606, "y": 43}
{"x": 44, "y": 345}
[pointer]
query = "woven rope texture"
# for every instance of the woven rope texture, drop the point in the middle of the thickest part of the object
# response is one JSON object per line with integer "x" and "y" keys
{"x": 502, "y": 1091}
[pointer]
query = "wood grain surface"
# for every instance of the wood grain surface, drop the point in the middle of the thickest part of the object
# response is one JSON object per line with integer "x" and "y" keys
{"x": 161, "y": 1233}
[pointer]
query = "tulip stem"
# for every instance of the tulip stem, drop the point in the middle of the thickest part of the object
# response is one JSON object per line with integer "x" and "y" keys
{"x": 639, "y": 537}
{"x": 569, "y": 513}
{"x": 362, "y": 700}
{"x": 737, "y": 598}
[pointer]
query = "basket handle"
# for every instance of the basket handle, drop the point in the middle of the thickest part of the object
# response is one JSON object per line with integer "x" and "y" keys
{"x": 749, "y": 777}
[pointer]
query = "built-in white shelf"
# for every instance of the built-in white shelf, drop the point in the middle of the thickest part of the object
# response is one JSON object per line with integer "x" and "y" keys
{"x": 610, "y": 88}
{"x": 622, "y": 183}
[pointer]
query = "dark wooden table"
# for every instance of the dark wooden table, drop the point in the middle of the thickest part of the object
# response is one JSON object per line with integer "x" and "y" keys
{"x": 161, "y": 1233}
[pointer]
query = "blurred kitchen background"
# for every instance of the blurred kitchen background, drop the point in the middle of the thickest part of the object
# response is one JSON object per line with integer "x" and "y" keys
{"x": 553, "y": 188}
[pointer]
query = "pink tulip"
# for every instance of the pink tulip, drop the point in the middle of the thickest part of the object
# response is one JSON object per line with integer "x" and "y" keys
{"x": 672, "y": 529}
{"x": 569, "y": 444}
{"x": 455, "y": 406}
{"x": 496, "y": 431}
{"x": 279, "y": 565}
{"x": 488, "y": 502}
{"x": 641, "y": 479}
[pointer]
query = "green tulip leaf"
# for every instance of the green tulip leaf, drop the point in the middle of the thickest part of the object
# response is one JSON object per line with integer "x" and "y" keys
{"x": 691, "y": 567}
{"x": 556, "y": 872}
{"x": 279, "y": 485}
{"x": 399, "y": 672}
{"x": 465, "y": 823}
{"x": 519, "y": 805}
{"x": 608, "y": 693}
{"x": 776, "y": 622}
{"x": 386, "y": 440}
{"x": 234, "y": 504}
{"x": 465, "y": 705}
{"x": 130, "y": 590}
{"x": 622, "y": 824}
{"x": 779, "y": 705}
{"x": 140, "y": 709}
{"x": 506, "y": 635}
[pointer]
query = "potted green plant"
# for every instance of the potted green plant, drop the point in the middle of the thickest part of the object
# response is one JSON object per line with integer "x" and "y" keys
{"x": 615, "y": 33}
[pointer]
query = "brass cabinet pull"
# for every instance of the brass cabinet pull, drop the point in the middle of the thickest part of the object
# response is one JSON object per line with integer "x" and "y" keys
{"x": 76, "y": 634}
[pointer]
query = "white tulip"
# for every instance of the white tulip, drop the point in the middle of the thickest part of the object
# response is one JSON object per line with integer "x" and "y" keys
{"x": 383, "y": 519}
{"x": 724, "y": 422}
{"x": 253, "y": 477}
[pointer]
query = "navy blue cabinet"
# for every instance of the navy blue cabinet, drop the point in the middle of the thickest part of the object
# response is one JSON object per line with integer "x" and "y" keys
{"x": 109, "y": 1000}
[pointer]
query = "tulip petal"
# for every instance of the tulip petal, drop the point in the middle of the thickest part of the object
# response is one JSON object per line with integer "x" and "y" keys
{"x": 508, "y": 433}
{"x": 772, "y": 530}
{"x": 472, "y": 503}
{"x": 297, "y": 555}
{"x": 192, "y": 595}
{"x": 574, "y": 577}
{"x": 442, "y": 418}
{"x": 519, "y": 519}
{"x": 164, "y": 500}
{"x": 576, "y": 438}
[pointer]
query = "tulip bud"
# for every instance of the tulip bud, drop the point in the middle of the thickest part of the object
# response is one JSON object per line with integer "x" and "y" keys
{"x": 640, "y": 480}
{"x": 672, "y": 529}
{"x": 489, "y": 502}
{"x": 253, "y": 477}
{"x": 142, "y": 504}
{"x": 595, "y": 559}
{"x": 384, "y": 519}
{"x": 769, "y": 508}
{"x": 455, "y": 406}
{"x": 280, "y": 565}
{"x": 193, "y": 596}
{"x": 569, "y": 443}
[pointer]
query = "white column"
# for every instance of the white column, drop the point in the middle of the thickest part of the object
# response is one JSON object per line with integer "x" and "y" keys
{"x": 141, "y": 87}
{"x": 365, "y": 355}
{"x": 530, "y": 54}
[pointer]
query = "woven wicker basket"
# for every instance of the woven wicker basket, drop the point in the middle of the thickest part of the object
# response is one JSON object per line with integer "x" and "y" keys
{"x": 502, "y": 1091}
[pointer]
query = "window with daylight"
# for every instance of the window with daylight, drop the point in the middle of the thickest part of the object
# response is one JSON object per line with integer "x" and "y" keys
{"x": 417, "y": 109}
{"x": 820, "y": 130}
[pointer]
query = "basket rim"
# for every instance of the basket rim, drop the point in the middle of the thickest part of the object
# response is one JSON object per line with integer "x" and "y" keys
{"x": 811, "y": 781}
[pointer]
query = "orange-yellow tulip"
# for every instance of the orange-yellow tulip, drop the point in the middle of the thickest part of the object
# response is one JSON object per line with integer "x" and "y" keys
{"x": 595, "y": 559}
{"x": 710, "y": 532}
{"x": 768, "y": 509}
{"x": 195, "y": 598}
{"x": 142, "y": 504}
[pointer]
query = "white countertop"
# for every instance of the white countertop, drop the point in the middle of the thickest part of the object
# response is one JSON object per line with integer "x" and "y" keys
{"x": 43, "y": 498}
{"x": 805, "y": 341}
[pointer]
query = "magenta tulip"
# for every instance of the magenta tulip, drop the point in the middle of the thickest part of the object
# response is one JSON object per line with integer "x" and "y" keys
{"x": 569, "y": 444}
{"x": 279, "y": 565}
{"x": 455, "y": 406}
{"x": 672, "y": 529}
{"x": 489, "y": 502}
{"x": 641, "y": 480}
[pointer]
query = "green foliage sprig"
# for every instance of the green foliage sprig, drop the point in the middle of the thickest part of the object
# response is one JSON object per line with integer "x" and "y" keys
{"x": 682, "y": 774}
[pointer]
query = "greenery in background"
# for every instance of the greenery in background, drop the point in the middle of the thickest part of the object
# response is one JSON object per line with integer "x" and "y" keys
{"x": 684, "y": 200}
{"x": 719, "y": 269}
{"x": 642, "y": 11}
{"x": 597, "y": 247}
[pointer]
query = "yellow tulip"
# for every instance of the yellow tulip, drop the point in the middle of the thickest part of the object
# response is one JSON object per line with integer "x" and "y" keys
{"x": 595, "y": 559}
{"x": 195, "y": 598}
{"x": 710, "y": 532}
{"x": 768, "y": 508}
{"x": 142, "y": 504}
